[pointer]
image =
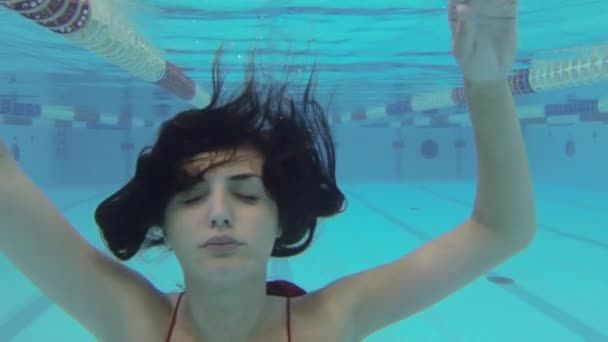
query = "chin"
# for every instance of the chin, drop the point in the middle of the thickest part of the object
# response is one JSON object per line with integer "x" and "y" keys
{"x": 231, "y": 268}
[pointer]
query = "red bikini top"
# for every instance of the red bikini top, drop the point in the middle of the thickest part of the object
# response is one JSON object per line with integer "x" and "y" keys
{"x": 283, "y": 288}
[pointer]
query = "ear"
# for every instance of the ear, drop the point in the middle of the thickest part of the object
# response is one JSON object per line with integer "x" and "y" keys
{"x": 279, "y": 232}
{"x": 160, "y": 231}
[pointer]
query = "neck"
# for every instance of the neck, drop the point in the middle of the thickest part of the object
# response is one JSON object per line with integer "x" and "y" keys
{"x": 227, "y": 310}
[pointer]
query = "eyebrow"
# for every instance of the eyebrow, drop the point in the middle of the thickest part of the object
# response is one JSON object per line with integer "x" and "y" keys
{"x": 242, "y": 177}
{"x": 235, "y": 178}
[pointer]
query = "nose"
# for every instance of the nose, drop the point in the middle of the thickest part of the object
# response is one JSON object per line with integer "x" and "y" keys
{"x": 218, "y": 222}
{"x": 219, "y": 211}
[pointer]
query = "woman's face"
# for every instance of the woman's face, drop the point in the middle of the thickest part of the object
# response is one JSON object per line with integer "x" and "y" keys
{"x": 230, "y": 200}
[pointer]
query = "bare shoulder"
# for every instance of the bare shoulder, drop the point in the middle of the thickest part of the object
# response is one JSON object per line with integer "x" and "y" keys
{"x": 315, "y": 317}
{"x": 147, "y": 321}
{"x": 311, "y": 319}
{"x": 375, "y": 298}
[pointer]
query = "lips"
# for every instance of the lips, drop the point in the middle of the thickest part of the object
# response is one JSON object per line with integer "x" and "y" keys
{"x": 221, "y": 240}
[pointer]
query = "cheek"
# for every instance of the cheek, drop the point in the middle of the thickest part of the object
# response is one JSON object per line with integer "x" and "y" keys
{"x": 179, "y": 230}
{"x": 266, "y": 225}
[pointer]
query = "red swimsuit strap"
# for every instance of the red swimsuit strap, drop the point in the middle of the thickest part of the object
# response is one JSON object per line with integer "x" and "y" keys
{"x": 288, "y": 290}
{"x": 288, "y": 320}
{"x": 283, "y": 288}
{"x": 174, "y": 319}
{"x": 280, "y": 288}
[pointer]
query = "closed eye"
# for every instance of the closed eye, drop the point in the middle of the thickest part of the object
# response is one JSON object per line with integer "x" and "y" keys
{"x": 251, "y": 199}
{"x": 192, "y": 200}
{"x": 248, "y": 198}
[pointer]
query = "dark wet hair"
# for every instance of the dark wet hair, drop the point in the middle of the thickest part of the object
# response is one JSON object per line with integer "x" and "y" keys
{"x": 298, "y": 171}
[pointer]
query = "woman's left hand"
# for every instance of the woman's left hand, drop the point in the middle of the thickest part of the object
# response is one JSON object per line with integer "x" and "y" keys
{"x": 484, "y": 34}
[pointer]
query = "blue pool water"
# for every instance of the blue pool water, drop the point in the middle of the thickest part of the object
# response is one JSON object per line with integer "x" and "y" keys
{"x": 408, "y": 173}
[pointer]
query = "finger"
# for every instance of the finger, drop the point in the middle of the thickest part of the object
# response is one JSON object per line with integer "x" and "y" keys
{"x": 464, "y": 33}
{"x": 505, "y": 41}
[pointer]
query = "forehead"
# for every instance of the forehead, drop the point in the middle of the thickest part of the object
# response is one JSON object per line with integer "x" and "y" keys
{"x": 226, "y": 161}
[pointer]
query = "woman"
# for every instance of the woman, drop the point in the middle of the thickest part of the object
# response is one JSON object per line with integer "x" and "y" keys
{"x": 230, "y": 185}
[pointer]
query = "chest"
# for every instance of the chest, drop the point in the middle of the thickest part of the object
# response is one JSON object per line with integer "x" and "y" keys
{"x": 306, "y": 323}
{"x": 302, "y": 329}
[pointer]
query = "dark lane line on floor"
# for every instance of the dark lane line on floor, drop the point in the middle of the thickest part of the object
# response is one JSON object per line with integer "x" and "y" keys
{"x": 540, "y": 226}
{"x": 563, "y": 318}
